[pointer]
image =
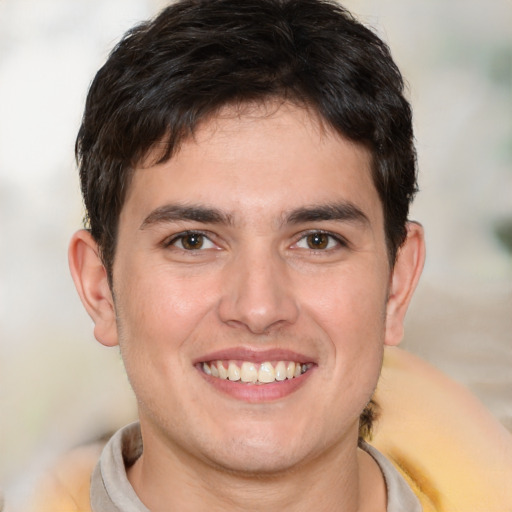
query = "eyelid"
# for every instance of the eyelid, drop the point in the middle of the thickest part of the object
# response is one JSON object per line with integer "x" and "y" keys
{"x": 339, "y": 239}
{"x": 171, "y": 240}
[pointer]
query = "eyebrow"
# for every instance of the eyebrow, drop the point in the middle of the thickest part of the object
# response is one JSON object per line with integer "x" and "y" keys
{"x": 342, "y": 211}
{"x": 177, "y": 212}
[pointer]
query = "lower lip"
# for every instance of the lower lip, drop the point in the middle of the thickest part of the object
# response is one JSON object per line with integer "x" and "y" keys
{"x": 257, "y": 393}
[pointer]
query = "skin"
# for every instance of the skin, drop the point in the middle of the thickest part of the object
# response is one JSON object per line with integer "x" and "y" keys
{"x": 256, "y": 284}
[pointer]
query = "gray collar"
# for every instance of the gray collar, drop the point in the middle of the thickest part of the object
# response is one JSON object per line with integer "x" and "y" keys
{"x": 111, "y": 491}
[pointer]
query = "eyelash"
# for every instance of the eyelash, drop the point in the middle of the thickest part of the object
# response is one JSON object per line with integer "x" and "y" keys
{"x": 181, "y": 236}
{"x": 339, "y": 240}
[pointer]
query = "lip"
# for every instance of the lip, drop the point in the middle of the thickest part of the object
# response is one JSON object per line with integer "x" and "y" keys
{"x": 256, "y": 393}
{"x": 254, "y": 356}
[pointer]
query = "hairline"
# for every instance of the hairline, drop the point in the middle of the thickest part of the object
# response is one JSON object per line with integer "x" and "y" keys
{"x": 156, "y": 156}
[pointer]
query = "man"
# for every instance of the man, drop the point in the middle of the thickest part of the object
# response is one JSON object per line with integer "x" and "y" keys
{"x": 247, "y": 170}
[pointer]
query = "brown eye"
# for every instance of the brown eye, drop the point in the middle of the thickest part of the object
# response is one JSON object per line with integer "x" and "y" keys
{"x": 317, "y": 241}
{"x": 192, "y": 241}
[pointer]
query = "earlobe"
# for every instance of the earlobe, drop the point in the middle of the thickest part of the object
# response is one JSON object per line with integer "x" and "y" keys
{"x": 91, "y": 282}
{"x": 405, "y": 277}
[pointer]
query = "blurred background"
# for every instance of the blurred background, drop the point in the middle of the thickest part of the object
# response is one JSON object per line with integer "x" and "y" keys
{"x": 59, "y": 388}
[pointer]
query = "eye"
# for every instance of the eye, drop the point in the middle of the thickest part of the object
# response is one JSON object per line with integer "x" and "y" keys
{"x": 192, "y": 241}
{"x": 319, "y": 241}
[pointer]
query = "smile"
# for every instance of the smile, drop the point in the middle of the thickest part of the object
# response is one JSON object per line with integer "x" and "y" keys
{"x": 255, "y": 373}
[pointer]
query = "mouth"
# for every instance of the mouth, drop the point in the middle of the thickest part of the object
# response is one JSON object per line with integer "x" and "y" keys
{"x": 256, "y": 376}
{"x": 250, "y": 372}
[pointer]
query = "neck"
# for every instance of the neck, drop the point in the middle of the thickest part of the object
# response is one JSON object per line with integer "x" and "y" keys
{"x": 344, "y": 479}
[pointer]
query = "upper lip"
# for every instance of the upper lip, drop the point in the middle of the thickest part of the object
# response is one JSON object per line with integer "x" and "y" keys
{"x": 255, "y": 356}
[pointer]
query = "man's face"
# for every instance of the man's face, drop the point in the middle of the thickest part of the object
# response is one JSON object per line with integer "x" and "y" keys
{"x": 258, "y": 250}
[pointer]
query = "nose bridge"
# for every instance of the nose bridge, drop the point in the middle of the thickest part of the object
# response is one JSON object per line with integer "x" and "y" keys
{"x": 258, "y": 292}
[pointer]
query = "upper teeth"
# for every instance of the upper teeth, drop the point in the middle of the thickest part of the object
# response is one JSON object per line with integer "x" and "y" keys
{"x": 255, "y": 372}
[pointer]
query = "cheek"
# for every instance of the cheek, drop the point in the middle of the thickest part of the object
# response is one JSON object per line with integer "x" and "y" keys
{"x": 351, "y": 312}
{"x": 351, "y": 302}
{"x": 159, "y": 305}
{"x": 158, "y": 313}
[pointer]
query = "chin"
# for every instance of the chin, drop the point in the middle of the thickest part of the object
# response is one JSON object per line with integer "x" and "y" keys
{"x": 259, "y": 451}
{"x": 247, "y": 460}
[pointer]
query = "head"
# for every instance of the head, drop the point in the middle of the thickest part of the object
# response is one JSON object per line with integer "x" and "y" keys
{"x": 168, "y": 75}
{"x": 192, "y": 110}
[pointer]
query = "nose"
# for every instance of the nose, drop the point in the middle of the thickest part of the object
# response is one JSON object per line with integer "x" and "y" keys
{"x": 258, "y": 294}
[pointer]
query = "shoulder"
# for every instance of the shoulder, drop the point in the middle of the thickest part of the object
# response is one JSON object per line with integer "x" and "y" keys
{"x": 441, "y": 438}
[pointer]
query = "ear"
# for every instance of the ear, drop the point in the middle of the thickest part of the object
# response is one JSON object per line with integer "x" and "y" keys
{"x": 91, "y": 282}
{"x": 404, "y": 278}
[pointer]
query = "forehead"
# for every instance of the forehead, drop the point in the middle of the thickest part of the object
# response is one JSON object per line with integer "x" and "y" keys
{"x": 272, "y": 157}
